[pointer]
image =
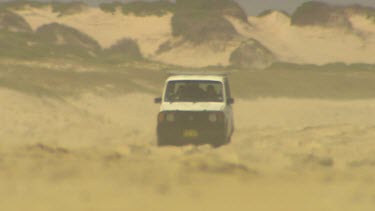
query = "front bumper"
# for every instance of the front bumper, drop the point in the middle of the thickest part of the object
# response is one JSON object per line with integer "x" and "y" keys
{"x": 191, "y": 128}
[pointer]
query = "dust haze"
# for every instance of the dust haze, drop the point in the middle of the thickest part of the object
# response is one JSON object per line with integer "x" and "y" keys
{"x": 78, "y": 122}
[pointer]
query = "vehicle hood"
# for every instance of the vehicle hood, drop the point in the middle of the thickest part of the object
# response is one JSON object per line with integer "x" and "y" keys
{"x": 189, "y": 106}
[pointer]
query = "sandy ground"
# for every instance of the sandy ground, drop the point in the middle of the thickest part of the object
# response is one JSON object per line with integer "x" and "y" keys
{"x": 98, "y": 153}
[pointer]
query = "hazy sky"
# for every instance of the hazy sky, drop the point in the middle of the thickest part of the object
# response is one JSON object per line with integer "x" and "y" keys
{"x": 254, "y": 7}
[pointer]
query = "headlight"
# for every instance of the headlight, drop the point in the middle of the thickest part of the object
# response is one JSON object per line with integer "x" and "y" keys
{"x": 171, "y": 117}
{"x": 216, "y": 117}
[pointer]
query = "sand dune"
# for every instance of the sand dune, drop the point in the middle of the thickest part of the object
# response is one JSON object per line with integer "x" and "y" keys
{"x": 295, "y": 44}
{"x": 188, "y": 54}
{"x": 107, "y": 28}
{"x": 312, "y": 44}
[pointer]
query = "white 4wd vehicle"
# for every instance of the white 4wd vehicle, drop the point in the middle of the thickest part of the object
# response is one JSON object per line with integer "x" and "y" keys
{"x": 195, "y": 109}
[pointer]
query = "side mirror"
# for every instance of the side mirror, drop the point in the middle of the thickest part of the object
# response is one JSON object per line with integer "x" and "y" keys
{"x": 157, "y": 100}
{"x": 230, "y": 101}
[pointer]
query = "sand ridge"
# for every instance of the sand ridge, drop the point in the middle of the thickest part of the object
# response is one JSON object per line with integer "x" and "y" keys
{"x": 107, "y": 28}
{"x": 312, "y": 44}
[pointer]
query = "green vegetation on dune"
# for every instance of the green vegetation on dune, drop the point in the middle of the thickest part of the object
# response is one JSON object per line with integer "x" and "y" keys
{"x": 123, "y": 50}
{"x": 252, "y": 54}
{"x": 311, "y": 13}
{"x": 220, "y": 7}
{"x": 68, "y": 8}
{"x": 61, "y": 8}
{"x": 63, "y": 35}
{"x": 21, "y": 4}
{"x": 62, "y": 42}
{"x": 11, "y": 21}
{"x": 68, "y": 42}
{"x": 31, "y": 46}
{"x": 140, "y": 8}
{"x": 58, "y": 41}
{"x": 319, "y": 13}
{"x": 200, "y": 21}
{"x": 110, "y": 7}
{"x": 323, "y": 14}
{"x": 22, "y": 45}
{"x": 369, "y": 12}
{"x": 202, "y": 27}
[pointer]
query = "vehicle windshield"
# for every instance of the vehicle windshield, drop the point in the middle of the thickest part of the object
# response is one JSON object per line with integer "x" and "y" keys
{"x": 194, "y": 91}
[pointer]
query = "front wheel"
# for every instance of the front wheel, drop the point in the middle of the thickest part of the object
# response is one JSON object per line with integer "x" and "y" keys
{"x": 221, "y": 141}
{"x": 163, "y": 142}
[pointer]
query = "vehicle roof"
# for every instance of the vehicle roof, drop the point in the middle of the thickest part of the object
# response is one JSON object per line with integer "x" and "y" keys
{"x": 196, "y": 78}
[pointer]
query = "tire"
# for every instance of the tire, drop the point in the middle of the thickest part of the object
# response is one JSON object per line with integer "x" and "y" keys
{"x": 229, "y": 139}
{"x": 219, "y": 142}
{"x": 162, "y": 142}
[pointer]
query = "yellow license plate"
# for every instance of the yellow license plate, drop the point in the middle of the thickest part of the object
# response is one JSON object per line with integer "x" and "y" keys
{"x": 190, "y": 133}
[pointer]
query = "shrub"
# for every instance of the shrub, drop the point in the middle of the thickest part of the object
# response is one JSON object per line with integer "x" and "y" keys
{"x": 369, "y": 12}
{"x": 220, "y": 7}
{"x": 251, "y": 54}
{"x": 319, "y": 13}
{"x": 66, "y": 40}
{"x": 200, "y": 21}
{"x": 21, "y": 4}
{"x": 64, "y": 35}
{"x": 25, "y": 45}
{"x": 68, "y": 8}
{"x": 13, "y": 22}
{"x": 124, "y": 50}
{"x": 57, "y": 7}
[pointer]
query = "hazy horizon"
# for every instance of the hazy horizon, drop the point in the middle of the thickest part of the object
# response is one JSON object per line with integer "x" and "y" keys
{"x": 252, "y": 7}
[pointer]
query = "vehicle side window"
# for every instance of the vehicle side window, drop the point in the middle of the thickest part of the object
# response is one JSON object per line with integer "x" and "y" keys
{"x": 227, "y": 89}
